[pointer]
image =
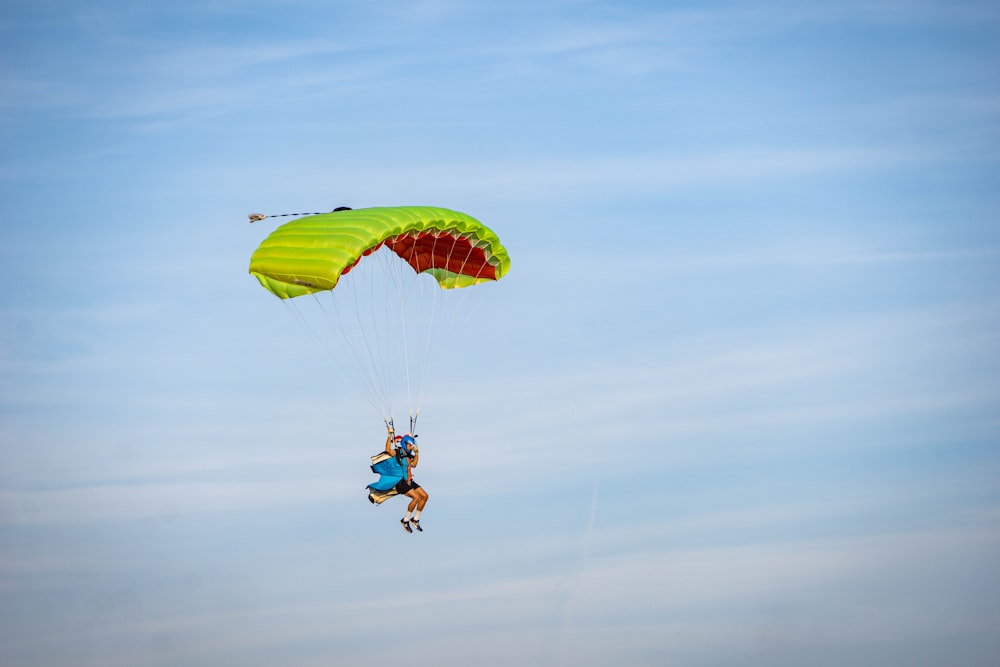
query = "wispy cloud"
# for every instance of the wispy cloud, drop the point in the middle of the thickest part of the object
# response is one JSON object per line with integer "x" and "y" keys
{"x": 532, "y": 180}
{"x": 792, "y": 594}
{"x": 807, "y": 378}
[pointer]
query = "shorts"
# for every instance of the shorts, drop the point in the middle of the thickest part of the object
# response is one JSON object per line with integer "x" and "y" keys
{"x": 402, "y": 486}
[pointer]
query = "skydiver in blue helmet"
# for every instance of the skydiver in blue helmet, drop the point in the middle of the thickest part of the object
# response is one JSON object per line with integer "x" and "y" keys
{"x": 408, "y": 454}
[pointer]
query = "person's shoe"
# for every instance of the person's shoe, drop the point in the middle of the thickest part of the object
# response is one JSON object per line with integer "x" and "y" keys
{"x": 416, "y": 524}
{"x": 406, "y": 525}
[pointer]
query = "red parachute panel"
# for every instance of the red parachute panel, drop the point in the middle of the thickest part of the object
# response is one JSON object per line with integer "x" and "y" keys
{"x": 455, "y": 253}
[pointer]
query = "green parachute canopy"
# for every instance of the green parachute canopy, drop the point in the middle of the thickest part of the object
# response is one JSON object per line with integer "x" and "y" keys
{"x": 312, "y": 253}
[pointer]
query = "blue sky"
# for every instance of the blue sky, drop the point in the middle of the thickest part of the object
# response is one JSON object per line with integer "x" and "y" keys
{"x": 737, "y": 402}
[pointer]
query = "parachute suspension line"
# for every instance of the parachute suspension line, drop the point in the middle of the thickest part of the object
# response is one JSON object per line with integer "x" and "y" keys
{"x": 386, "y": 338}
{"x": 479, "y": 274}
{"x": 387, "y": 296}
{"x": 449, "y": 304}
{"x": 427, "y": 331}
{"x": 378, "y": 340}
{"x": 435, "y": 300}
{"x": 366, "y": 374}
{"x": 436, "y": 303}
{"x": 403, "y": 307}
{"x": 466, "y": 295}
{"x": 372, "y": 338}
{"x": 297, "y": 314}
{"x": 375, "y": 366}
{"x": 458, "y": 300}
{"x": 440, "y": 307}
{"x": 362, "y": 376}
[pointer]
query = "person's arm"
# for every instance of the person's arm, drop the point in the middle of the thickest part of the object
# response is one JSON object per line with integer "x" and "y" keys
{"x": 416, "y": 456}
{"x": 389, "y": 440}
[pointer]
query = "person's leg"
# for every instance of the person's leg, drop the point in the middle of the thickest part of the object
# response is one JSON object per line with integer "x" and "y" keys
{"x": 414, "y": 499}
{"x": 414, "y": 496}
{"x": 421, "y": 501}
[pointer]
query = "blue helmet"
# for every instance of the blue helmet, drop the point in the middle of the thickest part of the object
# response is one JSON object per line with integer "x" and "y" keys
{"x": 408, "y": 442}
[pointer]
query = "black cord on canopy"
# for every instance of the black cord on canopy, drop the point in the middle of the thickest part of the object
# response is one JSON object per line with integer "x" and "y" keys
{"x": 257, "y": 217}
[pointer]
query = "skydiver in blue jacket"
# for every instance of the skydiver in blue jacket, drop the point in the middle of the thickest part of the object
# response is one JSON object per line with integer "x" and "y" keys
{"x": 408, "y": 454}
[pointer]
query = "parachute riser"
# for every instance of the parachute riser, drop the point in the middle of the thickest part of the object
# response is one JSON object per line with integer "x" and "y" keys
{"x": 413, "y": 423}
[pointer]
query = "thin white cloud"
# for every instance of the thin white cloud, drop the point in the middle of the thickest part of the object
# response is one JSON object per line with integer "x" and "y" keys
{"x": 671, "y": 599}
{"x": 166, "y": 501}
{"x": 546, "y": 179}
{"x": 808, "y": 378}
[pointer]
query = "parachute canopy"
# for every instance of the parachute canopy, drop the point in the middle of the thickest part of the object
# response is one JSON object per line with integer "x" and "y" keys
{"x": 311, "y": 254}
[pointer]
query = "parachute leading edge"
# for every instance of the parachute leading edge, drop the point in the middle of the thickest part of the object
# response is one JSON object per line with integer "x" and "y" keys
{"x": 312, "y": 253}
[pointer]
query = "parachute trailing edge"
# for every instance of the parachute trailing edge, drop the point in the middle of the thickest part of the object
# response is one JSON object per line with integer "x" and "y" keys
{"x": 311, "y": 254}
